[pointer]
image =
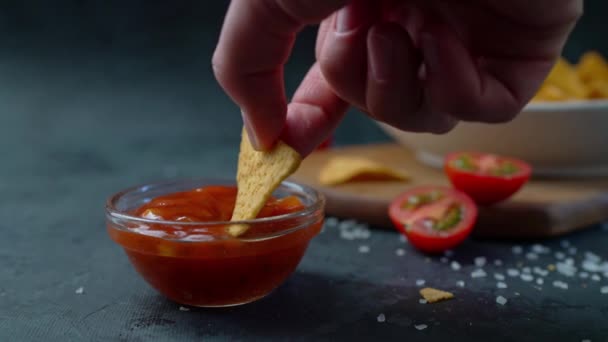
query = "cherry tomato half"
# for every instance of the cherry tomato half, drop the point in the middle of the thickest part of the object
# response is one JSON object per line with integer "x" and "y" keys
{"x": 487, "y": 178}
{"x": 434, "y": 218}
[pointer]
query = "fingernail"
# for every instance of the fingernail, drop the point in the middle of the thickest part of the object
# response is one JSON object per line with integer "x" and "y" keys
{"x": 346, "y": 19}
{"x": 430, "y": 52}
{"x": 381, "y": 56}
{"x": 253, "y": 139}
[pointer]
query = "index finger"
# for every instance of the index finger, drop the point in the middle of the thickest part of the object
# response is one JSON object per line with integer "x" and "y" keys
{"x": 254, "y": 45}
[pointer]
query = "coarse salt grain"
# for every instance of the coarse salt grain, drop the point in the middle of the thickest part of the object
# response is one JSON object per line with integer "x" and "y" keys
{"x": 79, "y": 290}
{"x": 540, "y": 281}
{"x": 517, "y": 249}
{"x": 422, "y": 301}
{"x": 363, "y": 249}
{"x": 512, "y": 272}
{"x": 501, "y": 300}
{"x": 420, "y": 326}
{"x": 331, "y": 221}
{"x": 420, "y": 282}
{"x": 526, "y": 270}
{"x": 583, "y": 275}
{"x": 572, "y": 250}
{"x": 527, "y": 277}
{"x": 455, "y": 265}
{"x": 531, "y": 256}
{"x": 566, "y": 269}
{"x": 402, "y": 238}
{"x": 565, "y": 243}
{"x": 591, "y": 266}
{"x": 559, "y": 255}
{"x": 480, "y": 261}
{"x": 540, "y": 249}
{"x": 400, "y": 252}
{"x": 444, "y": 260}
{"x": 595, "y": 277}
{"x": 592, "y": 257}
{"x": 449, "y": 253}
{"x": 541, "y": 272}
{"x": 460, "y": 283}
{"x": 604, "y": 290}
{"x": 499, "y": 276}
{"x": 497, "y": 262}
{"x": 478, "y": 273}
{"x": 586, "y": 340}
{"x": 183, "y": 308}
{"x": 381, "y": 318}
{"x": 560, "y": 284}
{"x": 501, "y": 285}
{"x": 347, "y": 235}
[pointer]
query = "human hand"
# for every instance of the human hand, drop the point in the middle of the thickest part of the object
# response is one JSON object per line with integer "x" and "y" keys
{"x": 417, "y": 65}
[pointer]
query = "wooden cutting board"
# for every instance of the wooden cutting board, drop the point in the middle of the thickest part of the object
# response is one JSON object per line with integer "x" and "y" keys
{"x": 543, "y": 208}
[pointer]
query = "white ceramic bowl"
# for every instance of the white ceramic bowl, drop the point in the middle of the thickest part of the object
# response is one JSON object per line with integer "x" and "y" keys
{"x": 557, "y": 139}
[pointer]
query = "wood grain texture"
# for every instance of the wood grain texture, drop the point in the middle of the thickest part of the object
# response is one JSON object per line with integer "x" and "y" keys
{"x": 543, "y": 208}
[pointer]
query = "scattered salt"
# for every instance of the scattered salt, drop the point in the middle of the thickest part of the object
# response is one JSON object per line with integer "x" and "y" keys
{"x": 512, "y": 272}
{"x": 595, "y": 277}
{"x": 501, "y": 285}
{"x": 381, "y": 318}
{"x": 566, "y": 269}
{"x": 422, "y": 301}
{"x": 183, "y": 308}
{"x": 347, "y": 235}
{"x": 540, "y": 249}
{"x": 586, "y": 340}
{"x": 560, "y": 284}
{"x": 517, "y": 249}
{"x": 455, "y": 265}
{"x": 517, "y": 293}
{"x": 540, "y": 281}
{"x": 480, "y": 261}
{"x": 478, "y": 273}
{"x": 420, "y": 326}
{"x": 499, "y": 276}
{"x": 592, "y": 257}
{"x": 531, "y": 256}
{"x": 460, "y": 283}
{"x": 527, "y": 277}
{"x": 363, "y": 249}
{"x": 527, "y": 270}
{"x": 400, "y": 252}
{"x": 591, "y": 266}
{"x": 497, "y": 262}
{"x": 604, "y": 290}
{"x": 331, "y": 221}
{"x": 565, "y": 243}
{"x": 444, "y": 260}
{"x": 402, "y": 238}
{"x": 501, "y": 300}
{"x": 572, "y": 250}
{"x": 346, "y": 224}
{"x": 541, "y": 272}
{"x": 79, "y": 290}
{"x": 559, "y": 255}
{"x": 420, "y": 282}
{"x": 583, "y": 275}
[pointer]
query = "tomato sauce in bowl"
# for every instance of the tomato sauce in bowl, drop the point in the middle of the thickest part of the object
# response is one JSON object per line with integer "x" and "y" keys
{"x": 175, "y": 236}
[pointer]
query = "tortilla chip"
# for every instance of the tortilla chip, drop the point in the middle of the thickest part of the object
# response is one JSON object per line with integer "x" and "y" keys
{"x": 344, "y": 169}
{"x": 592, "y": 67}
{"x": 564, "y": 76}
{"x": 433, "y": 295}
{"x": 258, "y": 175}
{"x": 598, "y": 89}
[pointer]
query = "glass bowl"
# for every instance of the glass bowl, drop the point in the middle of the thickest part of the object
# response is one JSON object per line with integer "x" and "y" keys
{"x": 207, "y": 267}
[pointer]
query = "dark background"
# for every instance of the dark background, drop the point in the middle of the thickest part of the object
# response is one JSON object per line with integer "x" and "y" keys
{"x": 99, "y": 95}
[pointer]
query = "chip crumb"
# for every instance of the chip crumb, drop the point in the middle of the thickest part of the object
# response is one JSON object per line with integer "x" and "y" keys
{"x": 433, "y": 295}
{"x": 420, "y": 326}
{"x": 183, "y": 308}
{"x": 551, "y": 267}
{"x": 79, "y": 290}
{"x": 501, "y": 300}
{"x": 381, "y": 318}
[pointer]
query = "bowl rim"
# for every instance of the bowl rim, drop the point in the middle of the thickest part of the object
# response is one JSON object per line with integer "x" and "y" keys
{"x": 317, "y": 205}
{"x": 566, "y": 106}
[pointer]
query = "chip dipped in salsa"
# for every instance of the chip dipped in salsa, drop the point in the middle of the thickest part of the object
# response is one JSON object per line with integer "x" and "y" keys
{"x": 179, "y": 243}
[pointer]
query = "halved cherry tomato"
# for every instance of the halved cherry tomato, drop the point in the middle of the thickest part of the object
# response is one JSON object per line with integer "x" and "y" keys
{"x": 434, "y": 218}
{"x": 487, "y": 178}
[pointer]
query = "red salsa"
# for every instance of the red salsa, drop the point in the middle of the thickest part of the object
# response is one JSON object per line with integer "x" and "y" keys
{"x": 202, "y": 265}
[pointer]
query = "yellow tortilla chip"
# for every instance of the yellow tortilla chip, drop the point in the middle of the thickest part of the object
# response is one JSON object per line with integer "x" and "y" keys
{"x": 564, "y": 76}
{"x": 433, "y": 295}
{"x": 258, "y": 175}
{"x": 550, "y": 92}
{"x": 592, "y": 67}
{"x": 345, "y": 169}
{"x": 598, "y": 89}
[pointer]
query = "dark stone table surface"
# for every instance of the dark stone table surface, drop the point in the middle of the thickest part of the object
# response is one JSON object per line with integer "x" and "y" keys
{"x": 78, "y": 123}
